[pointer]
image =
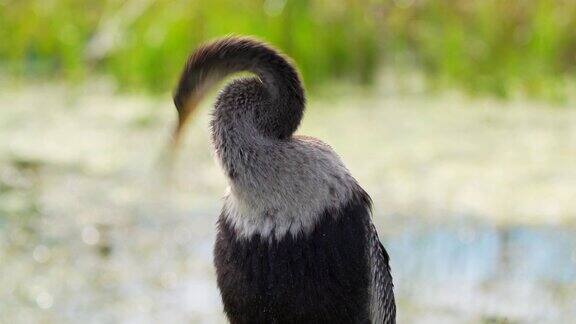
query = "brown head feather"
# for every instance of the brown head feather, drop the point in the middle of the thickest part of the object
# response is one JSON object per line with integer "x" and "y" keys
{"x": 211, "y": 62}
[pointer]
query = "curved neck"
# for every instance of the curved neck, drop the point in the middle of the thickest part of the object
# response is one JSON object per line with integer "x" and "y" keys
{"x": 211, "y": 63}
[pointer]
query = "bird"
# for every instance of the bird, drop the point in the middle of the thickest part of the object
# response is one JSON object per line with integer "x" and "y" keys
{"x": 295, "y": 241}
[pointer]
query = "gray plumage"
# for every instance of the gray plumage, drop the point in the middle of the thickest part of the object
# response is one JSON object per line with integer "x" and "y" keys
{"x": 279, "y": 184}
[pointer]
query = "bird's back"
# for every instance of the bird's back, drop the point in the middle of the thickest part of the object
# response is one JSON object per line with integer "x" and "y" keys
{"x": 320, "y": 277}
{"x": 295, "y": 241}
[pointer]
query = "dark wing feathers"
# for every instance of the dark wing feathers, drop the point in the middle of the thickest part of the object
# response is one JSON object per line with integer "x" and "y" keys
{"x": 382, "y": 304}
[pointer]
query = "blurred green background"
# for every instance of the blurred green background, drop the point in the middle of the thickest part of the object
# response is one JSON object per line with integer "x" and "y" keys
{"x": 456, "y": 116}
{"x": 491, "y": 47}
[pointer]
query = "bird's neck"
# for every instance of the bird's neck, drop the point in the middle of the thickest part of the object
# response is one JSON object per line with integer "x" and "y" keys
{"x": 280, "y": 187}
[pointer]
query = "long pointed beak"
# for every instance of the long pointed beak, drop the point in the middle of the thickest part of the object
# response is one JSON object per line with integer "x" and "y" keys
{"x": 184, "y": 113}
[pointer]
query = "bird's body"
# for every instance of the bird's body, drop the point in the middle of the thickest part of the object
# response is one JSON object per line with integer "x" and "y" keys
{"x": 295, "y": 241}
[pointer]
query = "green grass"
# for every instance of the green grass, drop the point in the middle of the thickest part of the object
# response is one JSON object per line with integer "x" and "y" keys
{"x": 483, "y": 47}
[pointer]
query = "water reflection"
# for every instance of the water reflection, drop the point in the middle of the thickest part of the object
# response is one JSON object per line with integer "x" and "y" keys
{"x": 488, "y": 273}
{"x": 481, "y": 253}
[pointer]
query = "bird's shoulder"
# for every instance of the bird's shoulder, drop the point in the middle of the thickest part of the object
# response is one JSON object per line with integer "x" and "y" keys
{"x": 311, "y": 142}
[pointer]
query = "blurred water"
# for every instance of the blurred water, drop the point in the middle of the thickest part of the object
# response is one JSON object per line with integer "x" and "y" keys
{"x": 518, "y": 273}
{"x": 479, "y": 253}
{"x": 90, "y": 233}
{"x": 158, "y": 267}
